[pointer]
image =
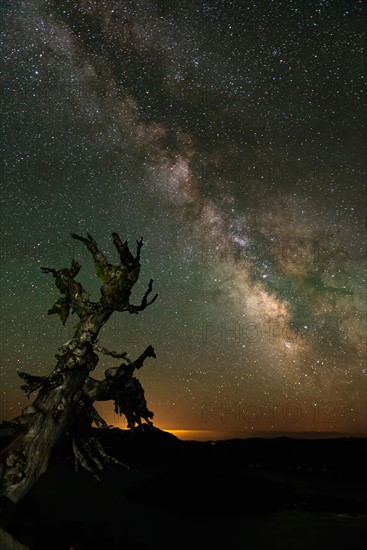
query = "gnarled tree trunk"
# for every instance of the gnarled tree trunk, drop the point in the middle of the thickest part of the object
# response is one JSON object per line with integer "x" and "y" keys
{"x": 60, "y": 395}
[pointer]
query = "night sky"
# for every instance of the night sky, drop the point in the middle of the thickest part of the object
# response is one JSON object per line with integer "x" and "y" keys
{"x": 231, "y": 136}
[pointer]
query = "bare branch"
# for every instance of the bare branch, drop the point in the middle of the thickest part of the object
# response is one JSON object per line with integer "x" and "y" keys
{"x": 48, "y": 270}
{"x": 144, "y": 303}
{"x": 100, "y": 261}
{"x": 73, "y": 296}
{"x": 118, "y": 280}
{"x": 139, "y": 246}
{"x": 112, "y": 353}
{"x": 126, "y": 391}
{"x": 148, "y": 352}
{"x": 126, "y": 257}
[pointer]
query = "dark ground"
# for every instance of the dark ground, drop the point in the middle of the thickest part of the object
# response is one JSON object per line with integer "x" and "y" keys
{"x": 277, "y": 493}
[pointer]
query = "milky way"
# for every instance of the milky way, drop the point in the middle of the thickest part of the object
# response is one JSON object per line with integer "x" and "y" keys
{"x": 230, "y": 135}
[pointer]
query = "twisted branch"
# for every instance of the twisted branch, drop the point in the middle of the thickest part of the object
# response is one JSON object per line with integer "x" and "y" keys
{"x": 144, "y": 303}
{"x": 73, "y": 296}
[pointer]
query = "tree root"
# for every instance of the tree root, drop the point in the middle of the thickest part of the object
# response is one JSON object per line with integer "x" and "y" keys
{"x": 90, "y": 455}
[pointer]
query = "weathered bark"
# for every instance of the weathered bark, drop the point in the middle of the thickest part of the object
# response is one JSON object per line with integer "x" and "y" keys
{"x": 88, "y": 451}
{"x": 60, "y": 397}
{"x": 47, "y": 419}
{"x": 8, "y": 542}
{"x": 121, "y": 387}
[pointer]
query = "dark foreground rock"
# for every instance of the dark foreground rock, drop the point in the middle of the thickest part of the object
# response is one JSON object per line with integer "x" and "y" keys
{"x": 255, "y": 493}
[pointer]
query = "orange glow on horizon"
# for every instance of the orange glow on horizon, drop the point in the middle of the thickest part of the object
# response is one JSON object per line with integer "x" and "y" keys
{"x": 198, "y": 435}
{"x": 213, "y": 434}
{"x": 187, "y": 434}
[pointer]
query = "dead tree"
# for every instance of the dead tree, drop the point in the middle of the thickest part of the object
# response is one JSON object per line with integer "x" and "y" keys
{"x": 64, "y": 401}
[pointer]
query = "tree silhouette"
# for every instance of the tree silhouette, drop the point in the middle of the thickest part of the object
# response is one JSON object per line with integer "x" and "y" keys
{"x": 65, "y": 397}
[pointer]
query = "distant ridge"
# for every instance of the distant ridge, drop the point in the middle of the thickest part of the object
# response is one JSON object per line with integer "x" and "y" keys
{"x": 150, "y": 447}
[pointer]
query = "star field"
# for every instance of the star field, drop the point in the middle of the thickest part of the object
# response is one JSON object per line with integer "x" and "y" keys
{"x": 230, "y": 135}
